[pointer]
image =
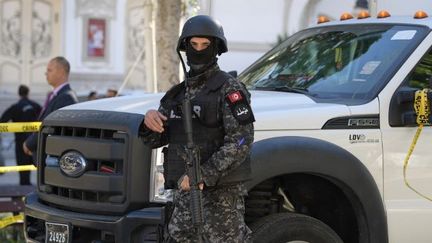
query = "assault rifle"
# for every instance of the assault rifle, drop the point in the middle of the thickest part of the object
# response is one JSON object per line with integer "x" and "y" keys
{"x": 193, "y": 170}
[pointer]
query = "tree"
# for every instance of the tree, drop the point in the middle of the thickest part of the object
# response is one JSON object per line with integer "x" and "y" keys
{"x": 168, "y": 17}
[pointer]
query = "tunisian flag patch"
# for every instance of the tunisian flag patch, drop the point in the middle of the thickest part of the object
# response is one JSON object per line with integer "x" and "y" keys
{"x": 235, "y": 96}
{"x": 240, "y": 107}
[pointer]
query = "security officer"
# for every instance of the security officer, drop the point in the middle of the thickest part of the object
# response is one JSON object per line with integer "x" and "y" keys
{"x": 25, "y": 110}
{"x": 223, "y": 130}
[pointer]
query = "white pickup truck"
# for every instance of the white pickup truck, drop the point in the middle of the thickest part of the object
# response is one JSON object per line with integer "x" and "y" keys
{"x": 334, "y": 121}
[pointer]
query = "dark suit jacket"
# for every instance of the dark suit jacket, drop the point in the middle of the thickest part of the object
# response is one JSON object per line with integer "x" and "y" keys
{"x": 25, "y": 110}
{"x": 64, "y": 97}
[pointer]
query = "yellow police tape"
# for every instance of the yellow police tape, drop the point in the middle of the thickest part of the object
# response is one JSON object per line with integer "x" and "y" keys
{"x": 422, "y": 109}
{"x": 6, "y": 221}
{"x": 20, "y": 127}
{"x": 4, "y": 169}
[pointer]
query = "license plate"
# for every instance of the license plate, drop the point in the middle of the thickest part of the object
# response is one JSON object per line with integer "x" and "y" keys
{"x": 56, "y": 233}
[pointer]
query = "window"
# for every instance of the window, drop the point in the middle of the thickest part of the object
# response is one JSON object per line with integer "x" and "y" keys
{"x": 347, "y": 64}
{"x": 421, "y": 76}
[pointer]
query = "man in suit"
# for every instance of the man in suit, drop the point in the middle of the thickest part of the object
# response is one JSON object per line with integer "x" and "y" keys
{"x": 25, "y": 110}
{"x": 57, "y": 74}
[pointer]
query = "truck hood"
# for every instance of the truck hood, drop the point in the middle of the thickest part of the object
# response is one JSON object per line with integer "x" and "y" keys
{"x": 284, "y": 111}
{"x": 272, "y": 110}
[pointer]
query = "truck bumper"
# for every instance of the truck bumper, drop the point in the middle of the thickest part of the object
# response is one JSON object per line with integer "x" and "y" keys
{"x": 137, "y": 226}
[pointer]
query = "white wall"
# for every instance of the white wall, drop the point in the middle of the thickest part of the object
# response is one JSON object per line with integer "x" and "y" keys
{"x": 332, "y": 10}
{"x": 405, "y": 7}
{"x": 249, "y": 20}
{"x": 250, "y": 31}
{"x": 238, "y": 61}
{"x": 252, "y": 26}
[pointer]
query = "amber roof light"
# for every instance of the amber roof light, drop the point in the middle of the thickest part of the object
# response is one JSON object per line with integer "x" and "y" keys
{"x": 346, "y": 16}
{"x": 323, "y": 19}
{"x": 420, "y": 15}
{"x": 363, "y": 15}
{"x": 383, "y": 14}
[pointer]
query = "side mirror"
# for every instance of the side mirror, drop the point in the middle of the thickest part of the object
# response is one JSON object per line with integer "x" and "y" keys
{"x": 402, "y": 111}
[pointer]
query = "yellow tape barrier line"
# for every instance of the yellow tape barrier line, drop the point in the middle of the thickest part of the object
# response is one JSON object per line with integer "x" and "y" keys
{"x": 4, "y": 169}
{"x": 422, "y": 109}
{"x": 11, "y": 220}
{"x": 20, "y": 127}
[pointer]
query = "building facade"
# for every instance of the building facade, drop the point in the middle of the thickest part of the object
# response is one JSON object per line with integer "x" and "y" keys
{"x": 252, "y": 28}
{"x": 102, "y": 39}
{"x": 110, "y": 41}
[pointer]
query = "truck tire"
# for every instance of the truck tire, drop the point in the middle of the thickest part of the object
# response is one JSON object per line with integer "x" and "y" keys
{"x": 288, "y": 227}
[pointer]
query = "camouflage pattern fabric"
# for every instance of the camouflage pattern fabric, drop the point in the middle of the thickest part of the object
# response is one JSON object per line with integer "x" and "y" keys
{"x": 223, "y": 217}
{"x": 238, "y": 138}
{"x": 224, "y": 207}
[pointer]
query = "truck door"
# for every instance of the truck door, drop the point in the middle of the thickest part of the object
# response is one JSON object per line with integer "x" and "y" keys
{"x": 407, "y": 211}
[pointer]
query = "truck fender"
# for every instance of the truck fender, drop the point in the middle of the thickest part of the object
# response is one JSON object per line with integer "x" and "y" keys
{"x": 293, "y": 154}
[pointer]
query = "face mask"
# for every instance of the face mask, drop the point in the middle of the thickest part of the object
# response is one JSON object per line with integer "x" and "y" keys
{"x": 198, "y": 59}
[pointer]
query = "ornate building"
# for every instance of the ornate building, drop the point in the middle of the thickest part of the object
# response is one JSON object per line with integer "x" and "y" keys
{"x": 111, "y": 41}
{"x": 102, "y": 39}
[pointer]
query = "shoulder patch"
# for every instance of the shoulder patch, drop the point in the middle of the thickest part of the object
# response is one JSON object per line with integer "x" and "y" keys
{"x": 240, "y": 107}
{"x": 235, "y": 96}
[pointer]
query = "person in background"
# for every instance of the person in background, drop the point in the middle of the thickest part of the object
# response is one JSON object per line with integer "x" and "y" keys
{"x": 111, "y": 93}
{"x": 25, "y": 110}
{"x": 92, "y": 95}
{"x": 57, "y": 75}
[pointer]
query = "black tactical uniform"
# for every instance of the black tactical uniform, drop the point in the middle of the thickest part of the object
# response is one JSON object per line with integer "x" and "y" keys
{"x": 25, "y": 110}
{"x": 223, "y": 129}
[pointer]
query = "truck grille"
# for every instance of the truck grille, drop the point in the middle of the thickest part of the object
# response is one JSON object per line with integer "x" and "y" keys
{"x": 108, "y": 143}
{"x": 104, "y": 171}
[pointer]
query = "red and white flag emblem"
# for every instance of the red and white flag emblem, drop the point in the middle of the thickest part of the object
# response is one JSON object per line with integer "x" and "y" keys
{"x": 235, "y": 96}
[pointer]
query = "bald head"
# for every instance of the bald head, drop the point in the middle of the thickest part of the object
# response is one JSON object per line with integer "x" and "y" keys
{"x": 64, "y": 64}
{"x": 57, "y": 71}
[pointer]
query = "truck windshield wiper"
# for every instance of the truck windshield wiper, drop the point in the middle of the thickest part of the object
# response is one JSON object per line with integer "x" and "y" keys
{"x": 292, "y": 90}
{"x": 286, "y": 89}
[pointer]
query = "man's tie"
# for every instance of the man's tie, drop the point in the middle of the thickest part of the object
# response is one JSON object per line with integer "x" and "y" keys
{"x": 50, "y": 96}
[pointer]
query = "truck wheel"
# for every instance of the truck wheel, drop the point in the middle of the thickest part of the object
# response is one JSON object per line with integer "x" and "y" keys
{"x": 291, "y": 227}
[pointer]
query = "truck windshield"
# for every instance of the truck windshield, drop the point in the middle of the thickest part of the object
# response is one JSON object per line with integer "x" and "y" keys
{"x": 346, "y": 64}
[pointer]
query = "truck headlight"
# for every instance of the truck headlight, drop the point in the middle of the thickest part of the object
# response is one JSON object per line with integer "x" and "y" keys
{"x": 157, "y": 191}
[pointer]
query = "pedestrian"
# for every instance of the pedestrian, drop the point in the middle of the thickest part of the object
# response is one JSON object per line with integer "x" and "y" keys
{"x": 111, "y": 92}
{"x": 92, "y": 95}
{"x": 25, "y": 110}
{"x": 222, "y": 129}
{"x": 57, "y": 75}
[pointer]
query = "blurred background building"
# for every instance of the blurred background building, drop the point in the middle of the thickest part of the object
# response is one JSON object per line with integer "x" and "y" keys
{"x": 105, "y": 39}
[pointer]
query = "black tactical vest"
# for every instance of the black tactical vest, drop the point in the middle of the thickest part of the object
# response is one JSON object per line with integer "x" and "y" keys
{"x": 208, "y": 131}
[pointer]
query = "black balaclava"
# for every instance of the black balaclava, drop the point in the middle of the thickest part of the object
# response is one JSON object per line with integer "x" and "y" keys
{"x": 199, "y": 61}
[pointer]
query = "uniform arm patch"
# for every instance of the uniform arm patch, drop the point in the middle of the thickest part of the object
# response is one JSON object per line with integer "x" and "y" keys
{"x": 240, "y": 108}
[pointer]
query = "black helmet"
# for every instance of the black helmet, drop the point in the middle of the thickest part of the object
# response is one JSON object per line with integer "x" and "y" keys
{"x": 202, "y": 25}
